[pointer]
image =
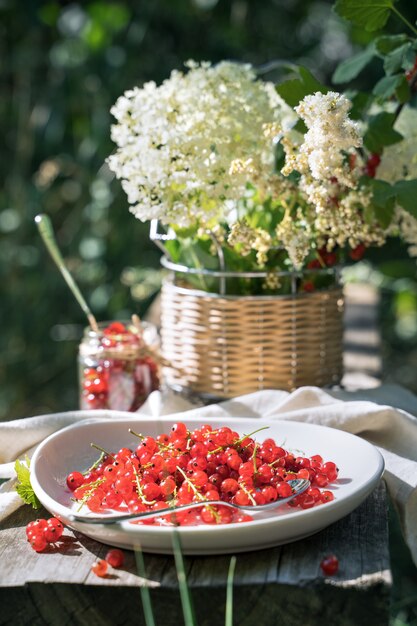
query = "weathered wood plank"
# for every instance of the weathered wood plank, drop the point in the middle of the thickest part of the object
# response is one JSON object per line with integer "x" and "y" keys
{"x": 281, "y": 585}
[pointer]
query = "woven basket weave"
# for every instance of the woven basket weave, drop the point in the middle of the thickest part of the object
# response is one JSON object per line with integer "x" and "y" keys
{"x": 224, "y": 346}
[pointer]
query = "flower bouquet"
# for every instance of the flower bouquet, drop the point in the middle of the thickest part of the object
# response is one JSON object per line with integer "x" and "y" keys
{"x": 265, "y": 190}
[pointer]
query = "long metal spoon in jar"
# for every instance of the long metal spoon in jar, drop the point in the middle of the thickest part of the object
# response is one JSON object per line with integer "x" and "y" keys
{"x": 47, "y": 233}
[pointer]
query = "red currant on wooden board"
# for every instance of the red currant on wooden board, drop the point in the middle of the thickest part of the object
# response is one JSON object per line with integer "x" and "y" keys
{"x": 330, "y": 565}
{"x": 100, "y": 567}
{"x": 115, "y": 558}
{"x": 41, "y": 532}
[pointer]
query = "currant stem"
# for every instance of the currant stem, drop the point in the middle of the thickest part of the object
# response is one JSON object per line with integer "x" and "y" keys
{"x": 139, "y": 489}
{"x": 95, "y": 464}
{"x": 248, "y": 493}
{"x": 92, "y": 487}
{"x": 255, "y": 469}
{"x": 258, "y": 430}
{"x": 142, "y": 437}
{"x": 190, "y": 484}
{"x": 103, "y": 451}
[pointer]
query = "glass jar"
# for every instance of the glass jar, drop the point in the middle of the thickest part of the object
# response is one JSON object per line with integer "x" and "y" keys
{"x": 117, "y": 367}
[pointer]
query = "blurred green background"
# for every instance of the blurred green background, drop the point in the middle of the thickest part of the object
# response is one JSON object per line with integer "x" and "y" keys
{"x": 63, "y": 65}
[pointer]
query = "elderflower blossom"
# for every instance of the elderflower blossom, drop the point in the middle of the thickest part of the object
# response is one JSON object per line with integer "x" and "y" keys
{"x": 187, "y": 149}
{"x": 200, "y": 152}
{"x": 330, "y": 135}
{"x": 242, "y": 235}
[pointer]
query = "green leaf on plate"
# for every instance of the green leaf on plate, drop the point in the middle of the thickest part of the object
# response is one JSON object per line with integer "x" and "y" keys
{"x": 369, "y": 14}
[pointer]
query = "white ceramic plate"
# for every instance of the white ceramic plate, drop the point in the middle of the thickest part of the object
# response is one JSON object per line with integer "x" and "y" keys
{"x": 360, "y": 468}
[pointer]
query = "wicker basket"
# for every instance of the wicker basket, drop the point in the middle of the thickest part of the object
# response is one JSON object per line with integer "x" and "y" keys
{"x": 223, "y": 346}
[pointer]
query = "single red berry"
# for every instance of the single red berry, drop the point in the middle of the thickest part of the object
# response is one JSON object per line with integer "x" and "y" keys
{"x": 75, "y": 480}
{"x": 115, "y": 328}
{"x": 284, "y": 490}
{"x": 357, "y": 253}
{"x": 331, "y": 259}
{"x": 374, "y": 160}
{"x": 330, "y": 565}
{"x": 308, "y": 286}
{"x": 327, "y": 496}
{"x": 53, "y": 530}
{"x": 314, "y": 265}
{"x": 38, "y": 543}
{"x": 115, "y": 558}
{"x": 179, "y": 431}
{"x": 35, "y": 528}
{"x": 99, "y": 568}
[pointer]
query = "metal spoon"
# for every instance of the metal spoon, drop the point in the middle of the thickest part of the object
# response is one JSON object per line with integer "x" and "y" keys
{"x": 298, "y": 485}
{"x": 47, "y": 233}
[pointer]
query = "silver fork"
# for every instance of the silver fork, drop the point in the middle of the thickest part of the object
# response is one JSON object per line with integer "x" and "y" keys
{"x": 298, "y": 485}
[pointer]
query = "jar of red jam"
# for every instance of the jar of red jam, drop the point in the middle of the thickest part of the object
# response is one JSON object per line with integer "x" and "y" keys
{"x": 117, "y": 368}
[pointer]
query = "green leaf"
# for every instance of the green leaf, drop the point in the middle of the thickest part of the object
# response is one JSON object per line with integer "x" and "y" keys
{"x": 406, "y": 192}
{"x": 24, "y": 487}
{"x": 383, "y": 201}
{"x": 369, "y": 14}
{"x": 352, "y": 67}
{"x": 388, "y": 43}
{"x": 382, "y": 192}
{"x": 294, "y": 90}
{"x": 380, "y": 132}
{"x": 395, "y": 60}
{"x": 387, "y": 86}
{"x": 403, "y": 92}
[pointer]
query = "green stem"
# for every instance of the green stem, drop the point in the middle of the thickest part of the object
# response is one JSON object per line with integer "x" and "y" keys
{"x": 142, "y": 437}
{"x": 95, "y": 464}
{"x": 403, "y": 19}
{"x": 103, "y": 451}
{"x": 144, "y": 590}
{"x": 198, "y": 266}
{"x": 229, "y": 592}
{"x": 187, "y": 606}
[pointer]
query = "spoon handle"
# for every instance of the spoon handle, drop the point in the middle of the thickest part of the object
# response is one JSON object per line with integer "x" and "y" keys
{"x": 46, "y": 231}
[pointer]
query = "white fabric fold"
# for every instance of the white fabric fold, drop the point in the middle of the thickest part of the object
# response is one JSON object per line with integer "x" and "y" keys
{"x": 371, "y": 415}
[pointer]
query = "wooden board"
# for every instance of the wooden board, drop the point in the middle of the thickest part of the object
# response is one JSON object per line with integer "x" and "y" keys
{"x": 282, "y": 586}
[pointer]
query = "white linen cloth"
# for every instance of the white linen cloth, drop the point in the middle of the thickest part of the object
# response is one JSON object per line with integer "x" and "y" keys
{"x": 369, "y": 414}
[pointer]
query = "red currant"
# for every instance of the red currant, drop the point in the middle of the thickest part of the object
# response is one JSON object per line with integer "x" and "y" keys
{"x": 330, "y": 565}
{"x": 357, "y": 253}
{"x": 115, "y": 558}
{"x": 75, "y": 480}
{"x": 38, "y": 542}
{"x": 99, "y": 568}
{"x": 53, "y": 530}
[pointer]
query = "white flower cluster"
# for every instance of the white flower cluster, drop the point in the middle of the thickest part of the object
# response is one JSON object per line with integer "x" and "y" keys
{"x": 329, "y": 180}
{"x": 187, "y": 149}
{"x": 331, "y": 134}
